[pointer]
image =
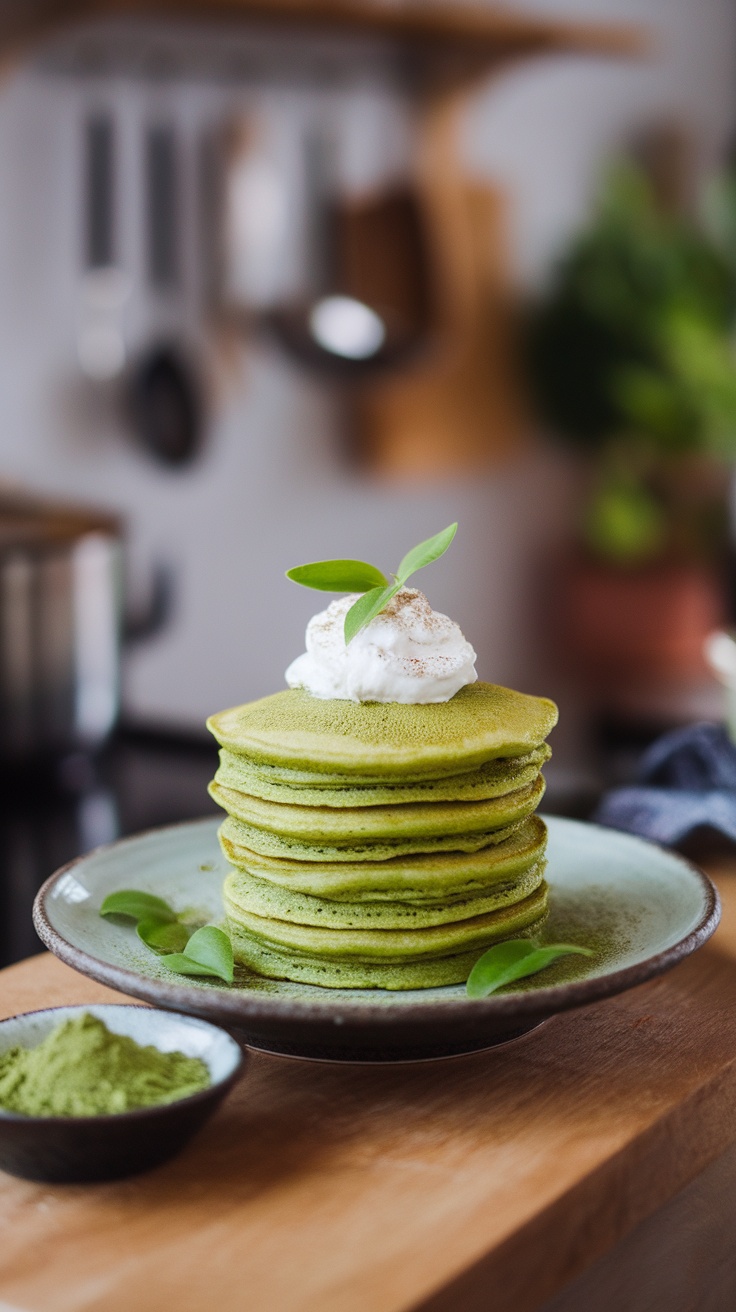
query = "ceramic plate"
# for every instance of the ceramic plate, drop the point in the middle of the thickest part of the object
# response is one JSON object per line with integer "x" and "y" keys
{"x": 641, "y": 908}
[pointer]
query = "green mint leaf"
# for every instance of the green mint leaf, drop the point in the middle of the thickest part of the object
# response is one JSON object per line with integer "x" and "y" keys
{"x": 358, "y": 576}
{"x": 163, "y": 935}
{"x": 366, "y": 608}
{"x": 184, "y": 965}
{"x": 513, "y": 960}
{"x": 211, "y": 946}
{"x": 135, "y": 905}
{"x": 338, "y": 576}
{"x": 425, "y": 553}
{"x": 208, "y": 952}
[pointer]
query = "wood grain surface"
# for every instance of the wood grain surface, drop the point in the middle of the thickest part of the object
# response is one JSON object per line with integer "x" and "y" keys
{"x": 485, "y": 1181}
{"x": 487, "y": 30}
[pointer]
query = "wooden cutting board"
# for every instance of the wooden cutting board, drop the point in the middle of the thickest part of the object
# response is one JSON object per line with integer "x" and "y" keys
{"x": 487, "y": 1181}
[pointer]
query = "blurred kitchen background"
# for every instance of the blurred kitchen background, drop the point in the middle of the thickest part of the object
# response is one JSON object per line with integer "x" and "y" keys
{"x": 290, "y": 280}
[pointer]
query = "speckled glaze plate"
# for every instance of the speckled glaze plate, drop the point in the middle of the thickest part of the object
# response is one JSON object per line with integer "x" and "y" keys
{"x": 641, "y": 908}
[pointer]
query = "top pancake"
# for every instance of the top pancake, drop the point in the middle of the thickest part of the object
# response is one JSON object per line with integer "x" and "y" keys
{"x": 384, "y": 740}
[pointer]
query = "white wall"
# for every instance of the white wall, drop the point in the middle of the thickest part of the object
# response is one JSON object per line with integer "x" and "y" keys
{"x": 544, "y": 128}
{"x": 271, "y": 489}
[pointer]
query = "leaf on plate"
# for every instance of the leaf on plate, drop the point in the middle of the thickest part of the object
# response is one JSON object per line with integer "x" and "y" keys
{"x": 134, "y": 905}
{"x": 163, "y": 935}
{"x": 514, "y": 960}
{"x": 338, "y": 576}
{"x": 208, "y": 952}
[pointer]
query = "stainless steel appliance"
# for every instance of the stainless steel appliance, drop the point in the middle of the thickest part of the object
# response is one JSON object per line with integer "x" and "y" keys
{"x": 60, "y": 625}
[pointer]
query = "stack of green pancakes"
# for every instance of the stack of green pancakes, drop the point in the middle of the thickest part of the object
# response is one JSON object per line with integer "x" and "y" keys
{"x": 381, "y": 845}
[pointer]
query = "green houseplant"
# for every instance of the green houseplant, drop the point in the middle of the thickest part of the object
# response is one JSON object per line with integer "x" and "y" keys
{"x": 632, "y": 361}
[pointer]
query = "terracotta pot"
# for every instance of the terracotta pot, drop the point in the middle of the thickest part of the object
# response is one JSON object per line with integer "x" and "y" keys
{"x": 649, "y": 622}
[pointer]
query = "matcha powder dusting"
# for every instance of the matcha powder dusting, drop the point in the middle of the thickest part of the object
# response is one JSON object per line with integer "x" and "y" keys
{"x": 83, "y": 1069}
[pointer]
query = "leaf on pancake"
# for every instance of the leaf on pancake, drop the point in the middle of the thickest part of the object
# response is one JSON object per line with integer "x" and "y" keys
{"x": 208, "y": 952}
{"x": 134, "y": 905}
{"x": 514, "y": 960}
{"x": 358, "y": 576}
{"x": 163, "y": 935}
{"x": 425, "y": 553}
{"x": 366, "y": 608}
{"x": 338, "y": 576}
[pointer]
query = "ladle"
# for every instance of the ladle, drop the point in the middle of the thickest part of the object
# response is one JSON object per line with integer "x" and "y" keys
{"x": 370, "y": 305}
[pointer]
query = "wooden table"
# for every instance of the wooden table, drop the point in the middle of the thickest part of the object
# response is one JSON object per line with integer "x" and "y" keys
{"x": 485, "y": 1182}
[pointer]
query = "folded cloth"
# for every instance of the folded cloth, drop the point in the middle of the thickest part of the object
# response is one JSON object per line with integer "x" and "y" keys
{"x": 686, "y": 781}
{"x": 698, "y": 757}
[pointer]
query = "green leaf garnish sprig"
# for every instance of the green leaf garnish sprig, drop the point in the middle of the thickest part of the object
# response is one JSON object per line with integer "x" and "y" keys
{"x": 131, "y": 904}
{"x": 359, "y": 576}
{"x": 514, "y": 960}
{"x": 206, "y": 951}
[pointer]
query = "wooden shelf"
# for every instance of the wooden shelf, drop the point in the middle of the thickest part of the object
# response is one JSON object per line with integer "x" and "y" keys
{"x": 474, "y": 37}
{"x": 494, "y": 29}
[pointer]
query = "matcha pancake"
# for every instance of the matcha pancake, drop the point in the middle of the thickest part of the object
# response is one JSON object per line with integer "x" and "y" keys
{"x": 323, "y": 955}
{"x": 447, "y": 875}
{"x": 266, "y": 960}
{"x": 480, "y": 723}
{"x": 494, "y": 779}
{"x": 394, "y": 944}
{"x": 351, "y": 826}
{"x": 245, "y": 893}
{"x": 270, "y": 844}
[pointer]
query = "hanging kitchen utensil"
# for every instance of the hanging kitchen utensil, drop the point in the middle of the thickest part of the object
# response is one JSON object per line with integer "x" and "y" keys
{"x": 100, "y": 191}
{"x": 374, "y": 312}
{"x": 165, "y": 404}
{"x": 369, "y": 305}
{"x": 251, "y": 221}
{"x": 164, "y": 393}
{"x": 104, "y": 286}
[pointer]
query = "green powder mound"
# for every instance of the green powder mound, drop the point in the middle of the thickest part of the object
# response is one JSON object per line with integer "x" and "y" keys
{"x": 244, "y": 893}
{"x": 389, "y": 945}
{"x": 265, "y": 959}
{"x": 268, "y": 844}
{"x": 353, "y": 827}
{"x": 410, "y": 878}
{"x": 505, "y": 775}
{"x": 480, "y": 723}
{"x": 82, "y": 1069}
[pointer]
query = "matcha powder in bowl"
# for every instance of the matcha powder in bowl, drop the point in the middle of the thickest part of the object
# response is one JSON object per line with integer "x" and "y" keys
{"x": 83, "y": 1069}
{"x": 103, "y": 1091}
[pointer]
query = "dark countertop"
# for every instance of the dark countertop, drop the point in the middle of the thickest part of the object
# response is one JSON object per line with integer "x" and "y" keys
{"x": 53, "y": 810}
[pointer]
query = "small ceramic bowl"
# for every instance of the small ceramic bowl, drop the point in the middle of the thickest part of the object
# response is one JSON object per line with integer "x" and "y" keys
{"x": 65, "y": 1149}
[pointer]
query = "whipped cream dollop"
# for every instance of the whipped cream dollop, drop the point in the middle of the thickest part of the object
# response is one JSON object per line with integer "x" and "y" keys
{"x": 408, "y": 653}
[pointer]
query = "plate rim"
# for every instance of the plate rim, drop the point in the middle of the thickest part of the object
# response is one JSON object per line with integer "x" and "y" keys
{"x": 240, "y": 1007}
